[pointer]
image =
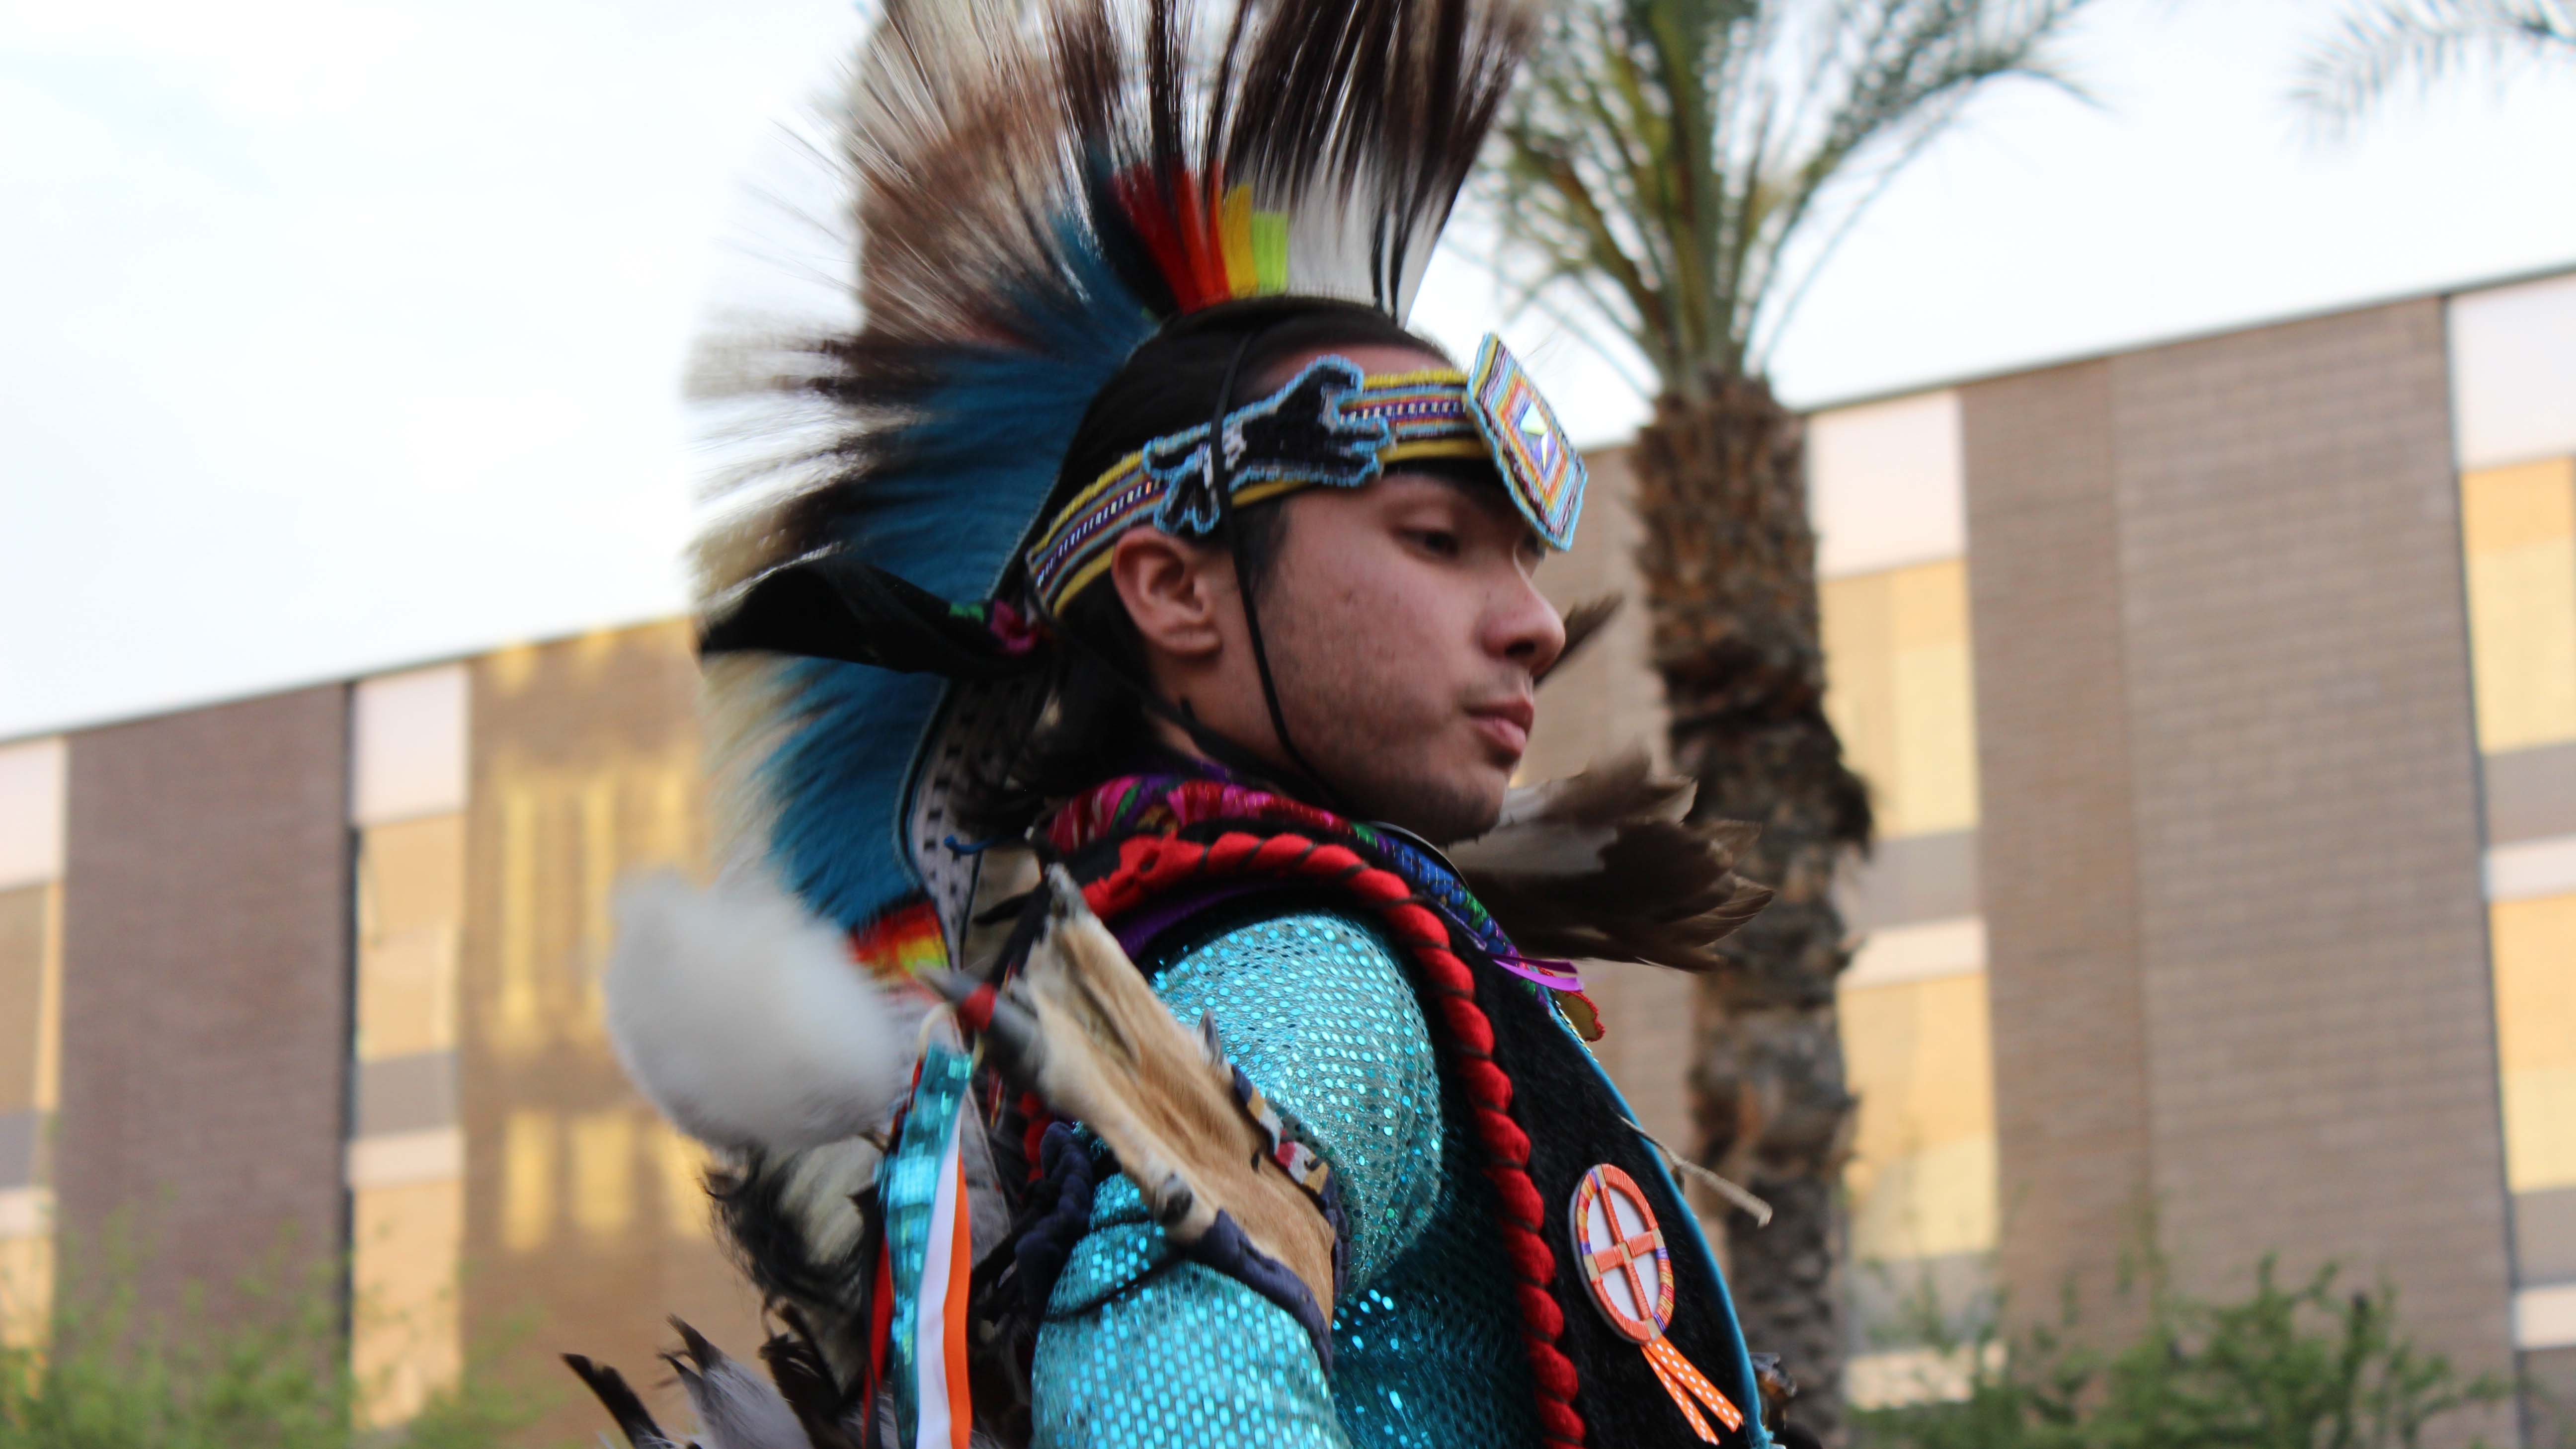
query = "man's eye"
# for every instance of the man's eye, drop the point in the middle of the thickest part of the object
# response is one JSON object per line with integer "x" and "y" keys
{"x": 1436, "y": 540}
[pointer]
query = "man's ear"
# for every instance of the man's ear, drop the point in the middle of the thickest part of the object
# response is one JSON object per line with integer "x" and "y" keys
{"x": 1172, "y": 590}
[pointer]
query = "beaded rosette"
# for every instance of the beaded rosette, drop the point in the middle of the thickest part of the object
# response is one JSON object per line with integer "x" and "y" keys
{"x": 1619, "y": 1249}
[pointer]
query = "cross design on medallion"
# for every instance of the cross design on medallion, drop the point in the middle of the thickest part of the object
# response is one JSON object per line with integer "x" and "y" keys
{"x": 1626, "y": 1267}
{"x": 1621, "y": 1252}
{"x": 1625, "y": 1255}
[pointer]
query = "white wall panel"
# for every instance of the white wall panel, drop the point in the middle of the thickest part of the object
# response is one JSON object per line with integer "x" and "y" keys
{"x": 2545, "y": 1317}
{"x": 397, "y": 1159}
{"x": 1918, "y": 952}
{"x": 407, "y": 746}
{"x": 31, "y": 812}
{"x": 2513, "y": 372}
{"x": 2527, "y": 869}
{"x": 26, "y": 1212}
{"x": 1886, "y": 484}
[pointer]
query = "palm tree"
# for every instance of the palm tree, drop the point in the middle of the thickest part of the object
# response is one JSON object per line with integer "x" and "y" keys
{"x": 2381, "y": 45}
{"x": 1680, "y": 169}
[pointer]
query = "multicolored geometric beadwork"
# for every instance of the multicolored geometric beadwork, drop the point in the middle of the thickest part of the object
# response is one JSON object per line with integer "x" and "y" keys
{"x": 1541, "y": 468}
{"x": 1331, "y": 426}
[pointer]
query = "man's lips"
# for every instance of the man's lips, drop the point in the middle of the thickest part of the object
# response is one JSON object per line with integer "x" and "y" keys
{"x": 1506, "y": 724}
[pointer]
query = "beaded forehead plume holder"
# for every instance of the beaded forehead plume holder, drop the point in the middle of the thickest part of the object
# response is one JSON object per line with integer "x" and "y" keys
{"x": 1332, "y": 426}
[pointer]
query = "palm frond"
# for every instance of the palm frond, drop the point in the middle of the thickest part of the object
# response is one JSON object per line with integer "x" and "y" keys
{"x": 1686, "y": 166}
{"x": 2382, "y": 47}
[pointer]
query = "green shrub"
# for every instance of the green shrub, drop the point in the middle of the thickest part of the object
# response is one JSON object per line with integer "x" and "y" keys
{"x": 270, "y": 1372}
{"x": 2293, "y": 1366}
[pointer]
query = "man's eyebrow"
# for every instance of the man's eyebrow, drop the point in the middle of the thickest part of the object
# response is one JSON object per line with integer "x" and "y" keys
{"x": 1478, "y": 481}
{"x": 1482, "y": 485}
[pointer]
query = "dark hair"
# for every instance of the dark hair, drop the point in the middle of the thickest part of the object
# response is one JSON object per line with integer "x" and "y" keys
{"x": 1094, "y": 723}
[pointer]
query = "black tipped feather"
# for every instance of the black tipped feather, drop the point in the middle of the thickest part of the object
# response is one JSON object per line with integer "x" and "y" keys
{"x": 738, "y": 1409}
{"x": 632, "y": 1419}
{"x": 830, "y": 1413}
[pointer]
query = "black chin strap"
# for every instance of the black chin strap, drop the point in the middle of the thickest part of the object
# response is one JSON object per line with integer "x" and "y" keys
{"x": 1211, "y": 744}
{"x": 1221, "y": 477}
{"x": 1215, "y": 746}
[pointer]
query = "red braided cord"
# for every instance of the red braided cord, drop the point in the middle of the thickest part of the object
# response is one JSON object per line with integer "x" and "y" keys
{"x": 1147, "y": 865}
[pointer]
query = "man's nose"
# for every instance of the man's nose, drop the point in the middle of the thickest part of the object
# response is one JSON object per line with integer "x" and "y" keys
{"x": 1525, "y": 628}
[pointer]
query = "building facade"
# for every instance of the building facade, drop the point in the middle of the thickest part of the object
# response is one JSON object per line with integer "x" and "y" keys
{"x": 313, "y": 981}
{"x": 2219, "y": 703}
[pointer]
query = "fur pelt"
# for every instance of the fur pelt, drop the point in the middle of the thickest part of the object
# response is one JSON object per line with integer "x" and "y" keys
{"x": 743, "y": 1018}
{"x": 798, "y": 1225}
{"x": 1607, "y": 866}
{"x": 1080, "y": 1026}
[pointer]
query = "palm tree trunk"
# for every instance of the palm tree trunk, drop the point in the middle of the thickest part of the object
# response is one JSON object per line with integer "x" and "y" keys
{"x": 1729, "y": 567}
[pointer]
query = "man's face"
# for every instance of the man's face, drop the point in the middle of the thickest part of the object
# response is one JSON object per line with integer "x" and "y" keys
{"x": 1406, "y": 639}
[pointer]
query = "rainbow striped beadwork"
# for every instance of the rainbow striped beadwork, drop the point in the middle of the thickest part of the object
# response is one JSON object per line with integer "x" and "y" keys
{"x": 904, "y": 942}
{"x": 1545, "y": 473}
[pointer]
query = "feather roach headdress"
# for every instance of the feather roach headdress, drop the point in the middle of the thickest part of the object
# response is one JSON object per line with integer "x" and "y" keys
{"x": 1040, "y": 185}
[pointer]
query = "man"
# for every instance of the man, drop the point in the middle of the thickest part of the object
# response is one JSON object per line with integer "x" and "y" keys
{"x": 1157, "y": 552}
{"x": 1401, "y": 644}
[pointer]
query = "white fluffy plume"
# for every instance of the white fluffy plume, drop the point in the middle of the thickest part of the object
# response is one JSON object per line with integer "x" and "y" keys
{"x": 742, "y": 1016}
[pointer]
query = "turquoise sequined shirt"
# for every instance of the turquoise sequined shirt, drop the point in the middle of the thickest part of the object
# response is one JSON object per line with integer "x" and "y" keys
{"x": 1141, "y": 1352}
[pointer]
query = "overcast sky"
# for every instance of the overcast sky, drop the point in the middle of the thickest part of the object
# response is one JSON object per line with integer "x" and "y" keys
{"x": 348, "y": 333}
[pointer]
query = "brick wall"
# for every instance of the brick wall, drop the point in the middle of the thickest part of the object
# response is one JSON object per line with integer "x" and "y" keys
{"x": 206, "y": 986}
{"x": 2320, "y": 1021}
{"x": 2059, "y": 868}
{"x": 2232, "y": 850}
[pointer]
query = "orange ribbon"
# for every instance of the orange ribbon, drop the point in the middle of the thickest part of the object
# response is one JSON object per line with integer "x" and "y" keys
{"x": 1686, "y": 1383}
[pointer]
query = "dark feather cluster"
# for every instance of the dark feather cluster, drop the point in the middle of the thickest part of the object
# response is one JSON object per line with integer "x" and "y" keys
{"x": 802, "y": 1404}
{"x": 777, "y": 1247}
{"x": 1604, "y": 866}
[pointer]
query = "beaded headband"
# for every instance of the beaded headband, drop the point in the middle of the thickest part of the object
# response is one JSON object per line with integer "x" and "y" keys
{"x": 1332, "y": 426}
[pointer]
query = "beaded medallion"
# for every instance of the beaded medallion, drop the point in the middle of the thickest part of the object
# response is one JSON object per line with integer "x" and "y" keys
{"x": 1542, "y": 470}
{"x": 1619, "y": 1252}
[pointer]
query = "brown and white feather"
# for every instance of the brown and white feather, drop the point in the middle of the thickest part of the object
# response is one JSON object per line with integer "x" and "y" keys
{"x": 1607, "y": 865}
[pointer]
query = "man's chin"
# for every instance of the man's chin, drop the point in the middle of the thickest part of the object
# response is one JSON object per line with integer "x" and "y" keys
{"x": 1439, "y": 806}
